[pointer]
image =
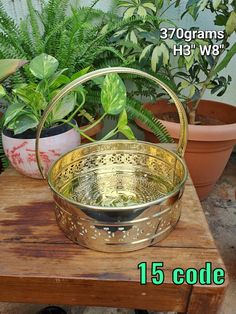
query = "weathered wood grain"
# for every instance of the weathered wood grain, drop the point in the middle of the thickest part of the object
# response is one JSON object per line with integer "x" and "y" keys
{"x": 30, "y": 215}
{"x": 38, "y": 264}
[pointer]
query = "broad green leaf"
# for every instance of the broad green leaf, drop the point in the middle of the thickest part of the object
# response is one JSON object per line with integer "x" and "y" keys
{"x": 203, "y": 4}
{"x": 123, "y": 120}
{"x": 220, "y": 20}
{"x": 105, "y": 29}
{"x": 129, "y": 12}
{"x": 43, "y": 66}
{"x": 231, "y": 52}
{"x": 9, "y": 66}
{"x": 184, "y": 84}
{"x": 216, "y": 3}
{"x": 189, "y": 60}
{"x": 133, "y": 37}
{"x": 231, "y": 23}
{"x": 165, "y": 54}
{"x": 126, "y": 130}
{"x": 192, "y": 91}
{"x": 61, "y": 80}
{"x": 12, "y": 111}
{"x": 150, "y": 6}
{"x": 141, "y": 11}
{"x": 160, "y": 3}
{"x": 2, "y": 91}
{"x": 30, "y": 96}
{"x": 80, "y": 73}
{"x": 156, "y": 54}
{"x": 25, "y": 122}
{"x": 119, "y": 33}
{"x": 55, "y": 76}
{"x": 64, "y": 107}
{"x": 146, "y": 51}
{"x": 99, "y": 81}
{"x": 113, "y": 94}
{"x": 124, "y": 4}
{"x": 181, "y": 62}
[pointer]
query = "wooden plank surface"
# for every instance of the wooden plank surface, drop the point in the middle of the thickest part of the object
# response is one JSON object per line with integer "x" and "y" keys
{"x": 38, "y": 264}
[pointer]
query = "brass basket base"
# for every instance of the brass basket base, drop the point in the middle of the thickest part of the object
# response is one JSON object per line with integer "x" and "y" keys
{"x": 119, "y": 237}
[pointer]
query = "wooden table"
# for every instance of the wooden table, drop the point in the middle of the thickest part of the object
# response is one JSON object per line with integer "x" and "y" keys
{"x": 38, "y": 264}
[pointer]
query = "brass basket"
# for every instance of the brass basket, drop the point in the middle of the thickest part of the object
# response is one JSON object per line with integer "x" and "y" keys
{"x": 118, "y": 195}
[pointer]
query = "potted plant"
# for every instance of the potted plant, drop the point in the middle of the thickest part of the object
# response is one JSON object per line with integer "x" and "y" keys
{"x": 78, "y": 37}
{"x": 212, "y": 125}
{"x": 26, "y": 105}
{"x": 7, "y": 68}
{"x": 61, "y": 134}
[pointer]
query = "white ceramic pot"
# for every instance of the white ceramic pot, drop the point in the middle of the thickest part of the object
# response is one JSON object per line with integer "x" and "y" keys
{"x": 54, "y": 142}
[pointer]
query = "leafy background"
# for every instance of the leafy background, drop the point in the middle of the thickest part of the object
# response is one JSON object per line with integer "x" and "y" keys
{"x": 17, "y": 10}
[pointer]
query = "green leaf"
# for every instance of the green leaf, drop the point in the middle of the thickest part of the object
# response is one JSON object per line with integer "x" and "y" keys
{"x": 216, "y": 3}
{"x": 64, "y": 107}
{"x": 133, "y": 37}
{"x": 189, "y": 60}
{"x": 55, "y": 76}
{"x": 141, "y": 11}
{"x": 124, "y": 4}
{"x": 10, "y": 66}
{"x": 30, "y": 96}
{"x": 2, "y": 91}
{"x": 231, "y": 23}
{"x": 184, "y": 84}
{"x": 220, "y": 20}
{"x": 150, "y": 6}
{"x": 126, "y": 130}
{"x": 25, "y": 122}
{"x": 203, "y": 4}
{"x": 113, "y": 94}
{"x": 231, "y": 52}
{"x": 192, "y": 91}
{"x": 129, "y": 12}
{"x": 61, "y": 80}
{"x": 165, "y": 54}
{"x": 43, "y": 66}
{"x": 123, "y": 120}
{"x": 156, "y": 54}
{"x": 80, "y": 73}
{"x": 12, "y": 111}
{"x": 145, "y": 53}
{"x": 99, "y": 81}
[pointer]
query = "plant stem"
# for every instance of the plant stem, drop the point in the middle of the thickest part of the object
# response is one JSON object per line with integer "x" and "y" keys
{"x": 78, "y": 130}
{"x": 79, "y": 107}
{"x": 90, "y": 126}
{"x": 110, "y": 134}
{"x": 192, "y": 113}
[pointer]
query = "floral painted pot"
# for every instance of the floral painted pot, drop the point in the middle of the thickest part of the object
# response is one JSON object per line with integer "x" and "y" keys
{"x": 20, "y": 149}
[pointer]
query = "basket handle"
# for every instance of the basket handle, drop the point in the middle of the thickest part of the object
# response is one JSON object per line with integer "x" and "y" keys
{"x": 91, "y": 75}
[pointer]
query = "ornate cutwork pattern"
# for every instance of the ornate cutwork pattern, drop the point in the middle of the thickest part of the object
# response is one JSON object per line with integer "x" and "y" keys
{"x": 101, "y": 182}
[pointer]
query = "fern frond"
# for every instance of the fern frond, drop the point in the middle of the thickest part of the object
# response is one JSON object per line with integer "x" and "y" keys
{"x": 27, "y": 42}
{"x": 136, "y": 111}
{"x": 35, "y": 28}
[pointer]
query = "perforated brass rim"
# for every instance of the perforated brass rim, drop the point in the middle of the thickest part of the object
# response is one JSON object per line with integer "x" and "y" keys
{"x": 106, "y": 208}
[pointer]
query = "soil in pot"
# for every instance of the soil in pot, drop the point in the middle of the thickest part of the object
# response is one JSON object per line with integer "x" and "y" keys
{"x": 209, "y": 145}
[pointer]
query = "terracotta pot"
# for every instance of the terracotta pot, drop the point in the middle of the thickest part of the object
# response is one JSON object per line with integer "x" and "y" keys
{"x": 209, "y": 147}
{"x": 54, "y": 142}
{"x": 92, "y": 132}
